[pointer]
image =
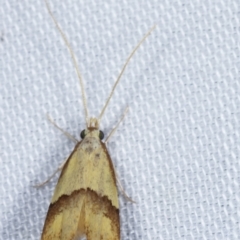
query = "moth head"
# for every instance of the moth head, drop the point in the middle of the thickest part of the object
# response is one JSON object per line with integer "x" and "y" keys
{"x": 92, "y": 133}
{"x": 92, "y": 129}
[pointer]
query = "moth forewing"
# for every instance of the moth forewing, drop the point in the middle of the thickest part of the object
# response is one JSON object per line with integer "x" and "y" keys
{"x": 85, "y": 200}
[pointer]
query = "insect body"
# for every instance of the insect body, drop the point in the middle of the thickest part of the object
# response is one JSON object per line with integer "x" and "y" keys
{"x": 85, "y": 201}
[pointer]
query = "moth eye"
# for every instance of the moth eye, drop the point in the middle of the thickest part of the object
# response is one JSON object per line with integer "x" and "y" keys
{"x": 101, "y": 135}
{"x": 82, "y": 134}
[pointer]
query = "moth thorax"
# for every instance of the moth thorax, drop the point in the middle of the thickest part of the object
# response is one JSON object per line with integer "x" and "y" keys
{"x": 93, "y": 123}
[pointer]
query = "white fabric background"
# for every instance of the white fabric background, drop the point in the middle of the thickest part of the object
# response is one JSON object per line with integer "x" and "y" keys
{"x": 177, "y": 151}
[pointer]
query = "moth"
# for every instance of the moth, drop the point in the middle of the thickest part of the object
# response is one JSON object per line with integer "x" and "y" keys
{"x": 85, "y": 200}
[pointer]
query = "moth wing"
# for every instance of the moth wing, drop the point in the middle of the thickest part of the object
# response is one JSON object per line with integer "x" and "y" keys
{"x": 85, "y": 201}
{"x": 63, "y": 218}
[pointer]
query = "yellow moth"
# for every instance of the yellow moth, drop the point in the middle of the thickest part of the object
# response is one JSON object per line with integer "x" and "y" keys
{"x": 85, "y": 200}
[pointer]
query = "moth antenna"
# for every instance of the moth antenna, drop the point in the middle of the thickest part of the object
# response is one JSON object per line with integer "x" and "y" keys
{"x": 73, "y": 59}
{"x": 122, "y": 71}
{"x": 115, "y": 128}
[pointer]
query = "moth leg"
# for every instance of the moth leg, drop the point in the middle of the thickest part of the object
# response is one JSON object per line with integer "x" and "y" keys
{"x": 60, "y": 167}
{"x": 118, "y": 181}
{"x": 122, "y": 189}
{"x": 115, "y": 128}
{"x": 64, "y": 132}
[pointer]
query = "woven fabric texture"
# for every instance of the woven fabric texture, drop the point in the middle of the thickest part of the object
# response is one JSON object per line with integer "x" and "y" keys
{"x": 177, "y": 150}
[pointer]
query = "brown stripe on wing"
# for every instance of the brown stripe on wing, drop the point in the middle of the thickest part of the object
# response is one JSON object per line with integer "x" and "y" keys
{"x": 74, "y": 215}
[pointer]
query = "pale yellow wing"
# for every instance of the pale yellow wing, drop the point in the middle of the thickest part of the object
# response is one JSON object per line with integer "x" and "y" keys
{"x": 85, "y": 201}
